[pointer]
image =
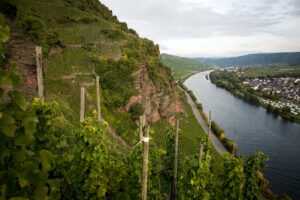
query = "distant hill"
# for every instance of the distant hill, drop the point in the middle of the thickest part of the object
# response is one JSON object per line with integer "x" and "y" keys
{"x": 292, "y": 59}
{"x": 181, "y": 66}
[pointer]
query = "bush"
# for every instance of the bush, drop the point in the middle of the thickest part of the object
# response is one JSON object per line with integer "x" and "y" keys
{"x": 216, "y": 129}
{"x": 136, "y": 110}
{"x": 133, "y": 32}
{"x": 49, "y": 40}
{"x": 199, "y": 106}
{"x": 229, "y": 144}
{"x": 33, "y": 27}
{"x": 89, "y": 47}
{"x": 115, "y": 34}
{"x": 204, "y": 117}
{"x": 192, "y": 95}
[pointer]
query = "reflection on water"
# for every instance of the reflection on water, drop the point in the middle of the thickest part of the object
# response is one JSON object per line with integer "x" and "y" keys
{"x": 254, "y": 129}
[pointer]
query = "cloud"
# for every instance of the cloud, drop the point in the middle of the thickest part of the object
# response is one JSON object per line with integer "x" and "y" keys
{"x": 205, "y": 20}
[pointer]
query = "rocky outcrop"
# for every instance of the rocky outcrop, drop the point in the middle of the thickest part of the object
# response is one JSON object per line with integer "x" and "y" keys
{"x": 157, "y": 104}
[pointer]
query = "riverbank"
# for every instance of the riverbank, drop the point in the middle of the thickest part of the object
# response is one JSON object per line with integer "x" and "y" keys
{"x": 216, "y": 143}
{"x": 231, "y": 82}
{"x": 217, "y": 133}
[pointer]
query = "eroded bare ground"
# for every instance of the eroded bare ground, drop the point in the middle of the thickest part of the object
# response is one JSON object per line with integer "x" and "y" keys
{"x": 22, "y": 52}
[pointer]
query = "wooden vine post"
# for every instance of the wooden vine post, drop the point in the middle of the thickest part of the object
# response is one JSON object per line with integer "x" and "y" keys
{"x": 82, "y": 103}
{"x": 233, "y": 149}
{"x": 141, "y": 126}
{"x": 209, "y": 121}
{"x": 174, "y": 185}
{"x": 200, "y": 152}
{"x": 145, "y": 140}
{"x": 98, "y": 98}
{"x": 39, "y": 73}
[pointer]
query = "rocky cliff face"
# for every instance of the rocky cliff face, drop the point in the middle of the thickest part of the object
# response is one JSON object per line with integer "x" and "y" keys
{"x": 158, "y": 104}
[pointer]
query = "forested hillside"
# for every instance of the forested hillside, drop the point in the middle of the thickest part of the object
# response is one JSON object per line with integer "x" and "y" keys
{"x": 292, "y": 59}
{"x": 181, "y": 66}
{"x": 46, "y": 153}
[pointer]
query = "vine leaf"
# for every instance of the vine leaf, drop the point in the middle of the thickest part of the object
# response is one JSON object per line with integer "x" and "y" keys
{"x": 7, "y": 125}
{"x": 30, "y": 124}
{"x": 46, "y": 158}
{"x": 40, "y": 193}
{"x": 18, "y": 99}
{"x": 14, "y": 74}
{"x": 22, "y": 182}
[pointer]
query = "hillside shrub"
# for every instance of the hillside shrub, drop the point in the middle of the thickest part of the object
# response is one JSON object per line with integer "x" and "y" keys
{"x": 228, "y": 143}
{"x": 33, "y": 27}
{"x": 194, "y": 98}
{"x": 199, "y": 106}
{"x": 204, "y": 117}
{"x": 216, "y": 129}
{"x": 136, "y": 110}
{"x": 89, "y": 47}
{"x": 49, "y": 40}
{"x": 114, "y": 34}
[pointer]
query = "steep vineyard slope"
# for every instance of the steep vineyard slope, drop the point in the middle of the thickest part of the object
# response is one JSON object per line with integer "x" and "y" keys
{"x": 82, "y": 39}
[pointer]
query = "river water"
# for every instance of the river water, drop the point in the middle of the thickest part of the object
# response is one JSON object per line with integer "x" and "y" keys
{"x": 254, "y": 129}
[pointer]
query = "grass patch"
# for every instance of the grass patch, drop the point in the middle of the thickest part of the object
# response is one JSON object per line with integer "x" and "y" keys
{"x": 53, "y": 11}
{"x": 68, "y": 62}
{"x": 108, "y": 50}
{"x": 77, "y": 33}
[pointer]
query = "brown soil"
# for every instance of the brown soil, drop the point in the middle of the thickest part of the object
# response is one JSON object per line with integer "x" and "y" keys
{"x": 22, "y": 52}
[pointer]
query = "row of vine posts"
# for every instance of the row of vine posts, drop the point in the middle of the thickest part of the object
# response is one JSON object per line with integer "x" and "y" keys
{"x": 143, "y": 129}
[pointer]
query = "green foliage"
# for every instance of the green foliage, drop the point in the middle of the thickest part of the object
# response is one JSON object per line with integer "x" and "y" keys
{"x": 26, "y": 164}
{"x": 89, "y": 174}
{"x": 216, "y": 128}
{"x": 116, "y": 80}
{"x": 168, "y": 160}
{"x": 49, "y": 40}
{"x": 33, "y": 27}
{"x": 230, "y": 181}
{"x": 136, "y": 110}
{"x": 4, "y": 36}
{"x": 252, "y": 165}
{"x": 89, "y": 47}
{"x": 68, "y": 62}
{"x": 231, "y": 82}
{"x": 114, "y": 34}
{"x": 132, "y": 179}
{"x": 197, "y": 181}
{"x": 132, "y": 48}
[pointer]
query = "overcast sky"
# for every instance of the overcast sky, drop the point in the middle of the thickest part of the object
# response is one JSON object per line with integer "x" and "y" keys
{"x": 214, "y": 28}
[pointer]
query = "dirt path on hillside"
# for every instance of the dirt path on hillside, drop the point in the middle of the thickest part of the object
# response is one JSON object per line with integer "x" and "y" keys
{"x": 111, "y": 130}
{"x": 215, "y": 141}
{"x": 115, "y": 135}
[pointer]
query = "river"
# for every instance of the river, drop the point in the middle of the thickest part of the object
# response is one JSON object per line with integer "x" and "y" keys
{"x": 254, "y": 129}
